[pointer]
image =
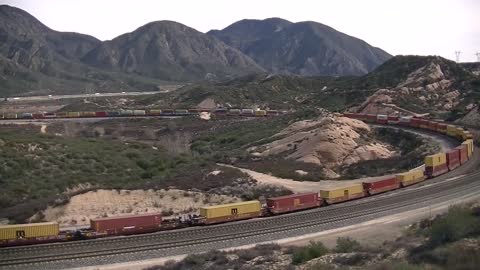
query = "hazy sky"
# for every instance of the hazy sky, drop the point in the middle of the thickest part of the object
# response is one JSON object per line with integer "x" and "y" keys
{"x": 422, "y": 27}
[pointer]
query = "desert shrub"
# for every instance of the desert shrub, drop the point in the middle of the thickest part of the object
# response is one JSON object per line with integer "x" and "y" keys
{"x": 347, "y": 245}
{"x": 311, "y": 251}
{"x": 456, "y": 224}
{"x": 463, "y": 258}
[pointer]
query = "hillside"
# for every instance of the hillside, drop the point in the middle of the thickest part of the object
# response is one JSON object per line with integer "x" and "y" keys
{"x": 403, "y": 84}
{"x": 171, "y": 51}
{"x": 412, "y": 84}
{"x": 35, "y": 59}
{"x": 304, "y": 48}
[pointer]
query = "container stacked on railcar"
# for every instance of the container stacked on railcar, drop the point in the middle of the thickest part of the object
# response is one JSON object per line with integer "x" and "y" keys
{"x": 229, "y": 212}
{"x": 23, "y": 234}
{"x": 336, "y": 195}
{"x": 410, "y": 177}
{"x": 291, "y": 203}
{"x": 436, "y": 164}
{"x": 127, "y": 224}
{"x": 453, "y": 159}
{"x": 382, "y": 185}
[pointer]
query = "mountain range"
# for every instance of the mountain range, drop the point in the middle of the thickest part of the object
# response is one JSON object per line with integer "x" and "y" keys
{"x": 35, "y": 59}
{"x": 304, "y": 48}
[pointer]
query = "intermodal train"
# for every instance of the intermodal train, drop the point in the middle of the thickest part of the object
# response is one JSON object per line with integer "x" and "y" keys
{"x": 435, "y": 165}
{"x": 142, "y": 113}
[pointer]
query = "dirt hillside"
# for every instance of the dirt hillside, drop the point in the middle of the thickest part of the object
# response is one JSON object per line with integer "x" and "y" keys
{"x": 430, "y": 88}
{"x": 330, "y": 142}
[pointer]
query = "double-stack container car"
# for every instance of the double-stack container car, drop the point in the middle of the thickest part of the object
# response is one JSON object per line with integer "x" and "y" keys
{"x": 453, "y": 159}
{"x": 463, "y": 149}
{"x": 379, "y": 186}
{"x": 451, "y": 130}
{"x": 410, "y": 177}
{"x": 469, "y": 144}
{"x": 295, "y": 202}
{"x": 336, "y": 195}
{"x": 436, "y": 164}
{"x": 382, "y": 119}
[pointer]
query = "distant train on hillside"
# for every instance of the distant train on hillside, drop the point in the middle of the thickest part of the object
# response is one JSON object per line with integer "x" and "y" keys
{"x": 435, "y": 165}
{"x": 142, "y": 113}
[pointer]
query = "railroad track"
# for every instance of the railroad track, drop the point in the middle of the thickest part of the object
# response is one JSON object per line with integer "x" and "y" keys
{"x": 194, "y": 239}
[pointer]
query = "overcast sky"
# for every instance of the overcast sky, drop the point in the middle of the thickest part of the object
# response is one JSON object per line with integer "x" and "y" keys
{"x": 423, "y": 27}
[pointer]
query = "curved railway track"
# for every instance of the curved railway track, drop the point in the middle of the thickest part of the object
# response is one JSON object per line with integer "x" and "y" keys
{"x": 168, "y": 243}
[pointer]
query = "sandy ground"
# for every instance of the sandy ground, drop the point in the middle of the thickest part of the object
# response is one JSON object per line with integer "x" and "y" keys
{"x": 124, "y": 202}
{"x": 372, "y": 233}
{"x": 302, "y": 186}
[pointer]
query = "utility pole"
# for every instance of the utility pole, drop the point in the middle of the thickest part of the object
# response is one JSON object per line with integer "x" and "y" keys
{"x": 478, "y": 56}
{"x": 457, "y": 56}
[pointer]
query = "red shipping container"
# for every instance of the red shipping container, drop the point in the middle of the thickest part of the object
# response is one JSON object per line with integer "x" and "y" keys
{"x": 432, "y": 171}
{"x": 349, "y": 115}
{"x": 432, "y": 125}
{"x": 382, "y": 185}
{"x": 100, "y": 114}
{"x": 415, "y": 122}
{"x": 359, "y": 116}
{"x": 127, "y": 224}
{"x": 382, "y": 119}
{"x": 393, "y": 118}
{"x": 463, "y": 153}
{"x": 453, "y": 159}
{"x": 290, "y": 203}
{"x": 38, "y": 116}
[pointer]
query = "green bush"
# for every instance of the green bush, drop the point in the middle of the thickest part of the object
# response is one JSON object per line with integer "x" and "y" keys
{"x": 458, "y": 223}
{"x": 311, "y": 251}
{"x": 347, "y": 245}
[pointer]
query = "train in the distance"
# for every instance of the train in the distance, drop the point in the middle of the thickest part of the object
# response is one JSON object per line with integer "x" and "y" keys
{"x": 435, "y": 165}
{"x": 141, "y": 113}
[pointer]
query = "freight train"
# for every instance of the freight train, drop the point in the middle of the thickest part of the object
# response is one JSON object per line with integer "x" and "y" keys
{"x": 435, "y": 165}
{"x": 142, "y": 113}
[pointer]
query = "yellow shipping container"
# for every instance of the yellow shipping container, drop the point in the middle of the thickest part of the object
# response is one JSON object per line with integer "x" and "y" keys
{"x": 155, "y": 112}
{"x": 410, "y": 177}
{"x": 87, "y": 114}
{"x": 340, "y": 192}
{"x": 459, "y": 132}
{"x": 436, "y": 159}
{"x": 73, "y": 114}
{"x": 467, "y": 135}
{"x": 260, "y": 113}
{"x": 451, "y": 130}
{"x": 224, "y": 210}
{"x": 469, "y": 144}
{"x": 24, "y": 231}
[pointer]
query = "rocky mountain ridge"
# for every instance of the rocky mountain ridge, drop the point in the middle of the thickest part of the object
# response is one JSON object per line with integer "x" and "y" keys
{"x": 171, "y": 51}
{"x": 38, "y": 60}
{"x": 304, "y": 48}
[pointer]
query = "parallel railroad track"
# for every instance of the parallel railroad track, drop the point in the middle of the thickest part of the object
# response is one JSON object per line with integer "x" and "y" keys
{"x": 317, "y": 219}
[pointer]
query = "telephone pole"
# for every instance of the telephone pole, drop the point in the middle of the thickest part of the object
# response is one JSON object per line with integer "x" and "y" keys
{"x": 457, "y": 56}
